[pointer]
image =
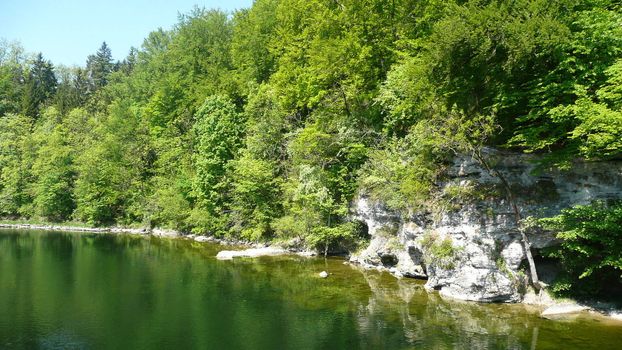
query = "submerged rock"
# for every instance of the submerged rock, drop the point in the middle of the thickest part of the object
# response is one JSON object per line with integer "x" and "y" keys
{"x": 562, "y": 309}
{"x": 616, "y": 315}
{"x": 306, "y": 253}
{"x": 250, "y": 253}
{"x": 165, "y": 233}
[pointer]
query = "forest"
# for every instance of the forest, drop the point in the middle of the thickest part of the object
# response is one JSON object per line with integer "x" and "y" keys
{"x": 265, "y": 123}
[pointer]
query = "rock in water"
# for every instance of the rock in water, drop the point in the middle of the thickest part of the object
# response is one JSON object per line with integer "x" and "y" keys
{"x": 250, "y": 253}
{"x": 616, "y": 315}
{"x": 323, "y": 274}
{"x": 563, "y": 309}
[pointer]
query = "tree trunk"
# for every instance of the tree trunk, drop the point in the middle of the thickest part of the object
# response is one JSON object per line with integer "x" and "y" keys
{"x": 535, "y": 281}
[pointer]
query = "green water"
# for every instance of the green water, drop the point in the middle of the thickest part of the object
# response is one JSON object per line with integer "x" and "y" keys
{"x": 94, "y": 291}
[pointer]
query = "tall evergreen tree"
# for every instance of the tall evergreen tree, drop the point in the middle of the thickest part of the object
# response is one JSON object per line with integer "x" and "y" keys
{"x": 99, "y": 66}
{"x": 40, "y": 85}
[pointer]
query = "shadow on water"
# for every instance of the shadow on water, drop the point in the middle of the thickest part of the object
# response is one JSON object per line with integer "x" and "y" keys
{"x": 66, "y": 290}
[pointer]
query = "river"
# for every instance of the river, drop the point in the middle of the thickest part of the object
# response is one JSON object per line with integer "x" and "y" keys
{"x": 103, "y": 291}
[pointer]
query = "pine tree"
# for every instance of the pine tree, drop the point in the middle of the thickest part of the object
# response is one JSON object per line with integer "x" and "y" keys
{"x": 40, "y": 85}
{"x": 99, "y": 66}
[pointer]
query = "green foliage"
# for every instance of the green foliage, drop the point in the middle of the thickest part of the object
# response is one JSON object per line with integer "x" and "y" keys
{"x": 40, "y": 86}
{"x": 72, "y": 90}
{"x": 399, "y": 177}
{"x": 322, "y": 237}
{"x": 99, "y": 67}
{"x": 199, "y": 55}
{"x": 439, "y": 252}
{"x": 169, "y": 205}
{"x": 562, "y": 99}
{"x": 407, "y": 95}
{"x": 110, "y": 182}
{"x": 308, "y": 202}
{"x": 250, "y": 47}
{"x": 16, "y": 153}
{"x": 590, "y": 249}
{"x": 11, "y": 75}
{"x": 218, "y": 133}
{"x": 53, "y": 171}
{"x": 266, "y": 126}
{"x": 256, "y": 197}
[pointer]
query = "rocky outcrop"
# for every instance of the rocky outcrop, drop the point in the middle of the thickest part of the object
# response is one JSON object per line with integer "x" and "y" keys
{"x": 466, "y": 243}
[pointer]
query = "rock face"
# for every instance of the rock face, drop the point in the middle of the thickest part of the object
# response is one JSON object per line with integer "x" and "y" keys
{"x": 467, "y": 244}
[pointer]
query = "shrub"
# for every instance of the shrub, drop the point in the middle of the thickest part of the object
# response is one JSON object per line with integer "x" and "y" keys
{"x": 590, "y": 250}
{"x": 439, "y": 251}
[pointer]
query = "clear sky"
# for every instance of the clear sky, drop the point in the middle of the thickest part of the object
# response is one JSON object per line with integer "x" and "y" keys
{"x": 67, "y": 31}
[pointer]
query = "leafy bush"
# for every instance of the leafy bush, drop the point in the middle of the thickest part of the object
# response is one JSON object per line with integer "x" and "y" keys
{"x": 590, "y": 249}
{"x": 398, "y": 175}
{"x": 439, "y": 252}
{"x": 322, "y": 237}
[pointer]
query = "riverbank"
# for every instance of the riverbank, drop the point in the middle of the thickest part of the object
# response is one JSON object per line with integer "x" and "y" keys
{"x": 157, "y": 232}
{"x": 80, "y": 228}
{"x": 251, "y": 249}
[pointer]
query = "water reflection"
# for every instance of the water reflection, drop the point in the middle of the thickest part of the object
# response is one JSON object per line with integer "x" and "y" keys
{"x": 431, "y": 322}
{"x": 60, "y": 290}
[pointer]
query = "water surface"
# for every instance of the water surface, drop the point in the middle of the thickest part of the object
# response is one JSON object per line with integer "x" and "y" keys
{"x": 95, "y": 291}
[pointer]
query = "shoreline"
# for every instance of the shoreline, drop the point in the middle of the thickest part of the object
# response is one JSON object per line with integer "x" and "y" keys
{"x": 156, "y": 232}
{"x": 259, "y": 249}
{"x": 52, "y": 227}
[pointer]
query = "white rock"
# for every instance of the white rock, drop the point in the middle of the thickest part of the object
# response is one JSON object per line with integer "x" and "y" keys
{"x": 250, "y": 253}
{"x": 616, "y": 315}
{"x": 225, "y": 255}
{"x": 562, "y": 309}
{"x": 202, "y": 239}
{"x": 323, "y": 274}
{"x": 397, "y": 273}
{"x": 165, "y": 233}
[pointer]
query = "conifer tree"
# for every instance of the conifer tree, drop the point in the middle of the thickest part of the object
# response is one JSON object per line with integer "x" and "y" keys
{"x": 40, "y": 85}
{"x": 99, "y": 66}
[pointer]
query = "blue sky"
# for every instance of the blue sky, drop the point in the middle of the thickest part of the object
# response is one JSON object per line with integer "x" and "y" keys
{"x": 67, "y": 31}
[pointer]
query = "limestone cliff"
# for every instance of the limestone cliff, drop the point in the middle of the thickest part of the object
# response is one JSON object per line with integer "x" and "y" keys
{"x": 466, "y": 243}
